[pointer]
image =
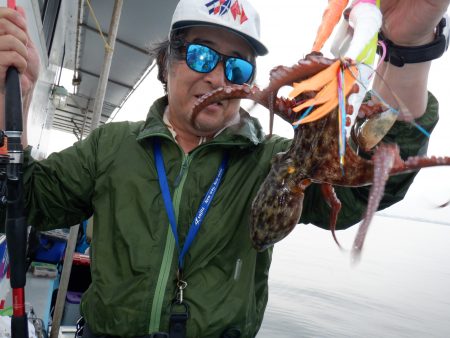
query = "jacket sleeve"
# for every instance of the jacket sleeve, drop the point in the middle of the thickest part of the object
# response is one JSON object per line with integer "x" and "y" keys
{"x": 58, "y": 190}
{"x": 411, "y": 141}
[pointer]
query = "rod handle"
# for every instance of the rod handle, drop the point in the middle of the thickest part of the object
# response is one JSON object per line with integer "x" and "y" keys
{"x": 19, "y": 326}
{"x": 16, "y": 237}
{"x": 13, "y": 101}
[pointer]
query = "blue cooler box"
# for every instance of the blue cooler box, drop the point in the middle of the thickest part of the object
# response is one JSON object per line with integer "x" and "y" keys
{"x": 51, "y": 249}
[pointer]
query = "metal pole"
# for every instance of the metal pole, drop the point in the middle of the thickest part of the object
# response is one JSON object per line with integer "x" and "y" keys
{"x": 64, "y": 281}
{"x": 86, "y": 111}
{"x": 103, "y": 81}
{"x": 76, "y": 75}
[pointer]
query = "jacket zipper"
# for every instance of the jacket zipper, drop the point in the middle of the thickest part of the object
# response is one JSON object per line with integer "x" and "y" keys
{"x": 166, "y": 264}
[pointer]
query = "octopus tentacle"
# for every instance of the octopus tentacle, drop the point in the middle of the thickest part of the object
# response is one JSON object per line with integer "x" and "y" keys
{"x": 383, "y": 159}
{"x": 281, "y": 76}
{"x": 281, "y": 106}
{"x": 415, "y": 163}
{"x": 335, "y": 204}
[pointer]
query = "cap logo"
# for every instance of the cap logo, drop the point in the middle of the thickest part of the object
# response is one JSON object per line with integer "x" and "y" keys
{"x": 227, "y": 7}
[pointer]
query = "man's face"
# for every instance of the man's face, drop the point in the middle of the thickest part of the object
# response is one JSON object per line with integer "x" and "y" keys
{"x": 185, "y": 86}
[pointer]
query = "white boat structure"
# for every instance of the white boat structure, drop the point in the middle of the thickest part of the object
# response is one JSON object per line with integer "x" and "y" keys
{"x": 72, "y": 36}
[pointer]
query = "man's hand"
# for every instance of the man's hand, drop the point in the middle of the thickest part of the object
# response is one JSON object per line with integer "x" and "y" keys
{"x": 408, "y": 23}
{"x": 17, "y": 49}
{"x": 411, "y": 22}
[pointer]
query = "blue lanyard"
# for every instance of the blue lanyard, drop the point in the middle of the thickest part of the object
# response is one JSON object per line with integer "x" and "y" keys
{"x": 202, "y": 210}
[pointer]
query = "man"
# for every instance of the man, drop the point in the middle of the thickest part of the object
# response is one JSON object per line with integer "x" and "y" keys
{"x": 145, "y": 182}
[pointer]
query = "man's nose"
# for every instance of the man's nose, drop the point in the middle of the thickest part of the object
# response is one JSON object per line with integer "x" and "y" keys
{"x": 217, "y": 76}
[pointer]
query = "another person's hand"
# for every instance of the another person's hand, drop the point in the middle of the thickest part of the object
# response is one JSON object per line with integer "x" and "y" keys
{"x": 17, "y": 49}
{"x": 411, "y": 22}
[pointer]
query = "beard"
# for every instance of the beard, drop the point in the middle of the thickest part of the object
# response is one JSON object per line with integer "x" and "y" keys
{"x": 209, "y": 125}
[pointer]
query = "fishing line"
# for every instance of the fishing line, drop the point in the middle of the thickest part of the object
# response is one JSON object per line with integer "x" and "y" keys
{"x": 400, "y": 112}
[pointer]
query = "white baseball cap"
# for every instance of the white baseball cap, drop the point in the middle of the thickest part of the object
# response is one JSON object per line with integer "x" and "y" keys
{"x": 237, "y": 15}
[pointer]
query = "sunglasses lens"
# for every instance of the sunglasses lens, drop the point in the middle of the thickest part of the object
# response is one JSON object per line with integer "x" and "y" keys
{"x": 201, "y": 58}
{"x": 238, "y": 71}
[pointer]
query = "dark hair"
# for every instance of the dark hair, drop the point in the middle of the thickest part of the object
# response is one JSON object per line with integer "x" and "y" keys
{"x": 169, "y": 50}
{"x": 166, "y": 51}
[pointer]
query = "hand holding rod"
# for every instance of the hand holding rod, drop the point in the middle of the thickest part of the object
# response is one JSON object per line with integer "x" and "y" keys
{"x": 16, "y": 223}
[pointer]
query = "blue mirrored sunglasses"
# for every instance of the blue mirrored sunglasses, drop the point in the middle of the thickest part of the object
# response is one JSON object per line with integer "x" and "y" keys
{"x": 204, "y": 59}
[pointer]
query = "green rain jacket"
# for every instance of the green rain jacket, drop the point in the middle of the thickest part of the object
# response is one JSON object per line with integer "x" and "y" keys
{"x": 112, "y": 176}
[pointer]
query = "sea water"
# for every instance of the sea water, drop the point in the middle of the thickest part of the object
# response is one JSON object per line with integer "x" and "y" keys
{"x": 400, "y": 288}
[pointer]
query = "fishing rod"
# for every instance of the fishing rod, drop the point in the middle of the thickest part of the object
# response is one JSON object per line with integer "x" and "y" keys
{"x": 16, "y": 221}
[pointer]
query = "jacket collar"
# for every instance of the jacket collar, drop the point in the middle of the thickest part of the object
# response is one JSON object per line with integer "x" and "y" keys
{"x": 248, "y": 130}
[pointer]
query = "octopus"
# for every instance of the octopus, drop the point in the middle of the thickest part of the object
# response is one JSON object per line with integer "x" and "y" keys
{"x": 316, "y": 155}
